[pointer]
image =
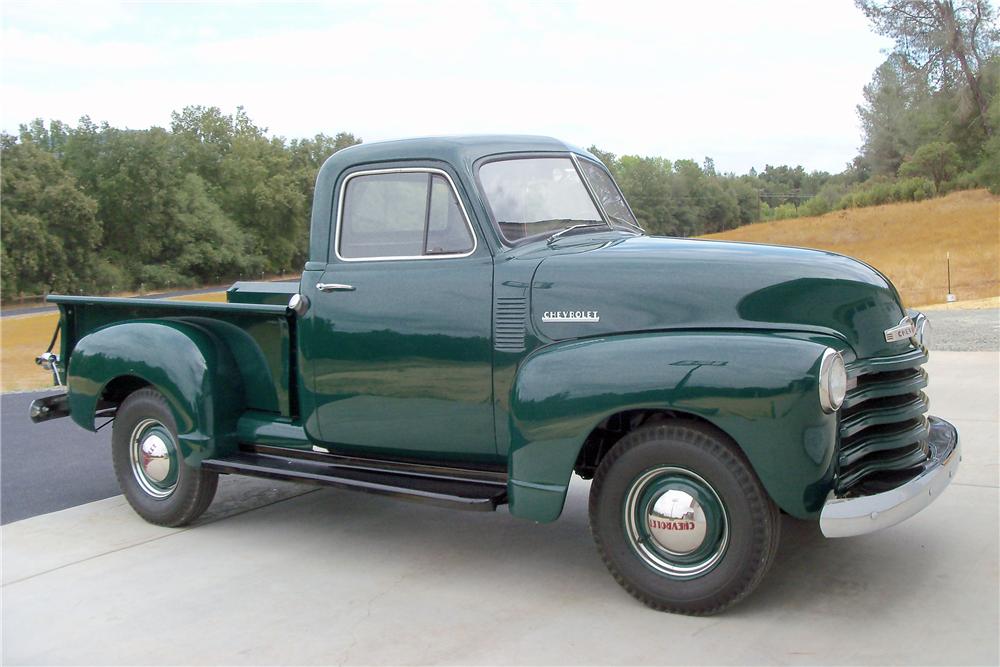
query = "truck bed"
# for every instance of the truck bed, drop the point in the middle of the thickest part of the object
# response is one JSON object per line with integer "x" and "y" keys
{"x": 260, "y": 337}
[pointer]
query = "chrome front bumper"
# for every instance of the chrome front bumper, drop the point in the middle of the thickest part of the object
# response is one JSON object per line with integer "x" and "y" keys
{"x": 844, "y": 517}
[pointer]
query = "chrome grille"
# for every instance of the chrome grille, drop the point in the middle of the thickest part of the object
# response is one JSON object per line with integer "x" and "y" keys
{"x": 883, "y": 423}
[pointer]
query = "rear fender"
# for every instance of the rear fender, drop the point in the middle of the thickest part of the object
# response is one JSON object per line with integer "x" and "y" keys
{"x": 758, "y": 388}
{"x": 185, "y": 362}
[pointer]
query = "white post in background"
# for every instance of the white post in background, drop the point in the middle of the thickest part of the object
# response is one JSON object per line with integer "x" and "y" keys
{"x": 951, "y": 298}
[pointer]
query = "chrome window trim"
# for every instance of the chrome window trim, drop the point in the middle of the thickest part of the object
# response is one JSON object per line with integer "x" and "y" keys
{"x": 608, "y": 173}
{"x": 591, "y": 191}
{"x": 393, "y": 258}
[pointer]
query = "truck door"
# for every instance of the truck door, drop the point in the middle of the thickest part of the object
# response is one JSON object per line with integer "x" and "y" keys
{"x": 397, "y": 344}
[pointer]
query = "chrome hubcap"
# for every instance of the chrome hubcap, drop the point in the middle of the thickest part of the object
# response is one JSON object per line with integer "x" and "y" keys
{"x": 154, "y": 458}
{"x": 675, "y": 522}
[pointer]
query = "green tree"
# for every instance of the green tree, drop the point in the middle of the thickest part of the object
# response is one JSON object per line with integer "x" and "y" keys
{"x": 49, "y": 228}
{"x": 308, "y": 155}
{"x": 947, "y": 41}
{"x": 746, "y": 196}
{"x": 200, "y": 243}
{"x": 645, "y": 182}
{"x": 51, "y": 138}
{"x": 937, "y": 161}
{"x": 610, "y": 160}
{"x": 212, "y": 197}
{"x": 260, "y": 182}
{"x": 988, "y": 171}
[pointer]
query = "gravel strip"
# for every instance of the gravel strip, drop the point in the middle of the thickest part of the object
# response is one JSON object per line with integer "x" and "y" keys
{"x": 965, "y": 330}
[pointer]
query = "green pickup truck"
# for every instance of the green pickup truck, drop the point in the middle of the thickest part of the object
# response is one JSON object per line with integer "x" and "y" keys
{"x": 480, "y": 318}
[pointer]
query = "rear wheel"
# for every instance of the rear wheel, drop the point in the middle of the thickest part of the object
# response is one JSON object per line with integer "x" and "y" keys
{"x": 681, "y": 520}
{"x": 151, "y": 472}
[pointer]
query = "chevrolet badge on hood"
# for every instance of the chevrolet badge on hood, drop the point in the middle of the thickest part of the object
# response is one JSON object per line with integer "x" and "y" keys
{"x": 571, "y": 316}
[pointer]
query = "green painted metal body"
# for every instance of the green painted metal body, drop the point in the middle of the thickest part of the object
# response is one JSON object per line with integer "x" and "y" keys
{"x": 403, "y": 363}
{"x": 410, "y": 364}
{"x": 758, "y": 388}
{"x": 270, "y": 293}
{"x": 211, "y": 361}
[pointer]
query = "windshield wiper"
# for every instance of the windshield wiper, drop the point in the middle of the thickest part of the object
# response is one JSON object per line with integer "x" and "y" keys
{"x": 572, "y": 227}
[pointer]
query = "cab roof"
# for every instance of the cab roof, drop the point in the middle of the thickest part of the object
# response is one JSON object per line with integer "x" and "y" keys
{"x": 460, "y": 153}
{"x": 454, "y": 149}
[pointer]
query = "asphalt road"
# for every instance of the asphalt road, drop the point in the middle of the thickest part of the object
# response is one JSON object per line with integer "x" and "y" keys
{"x": 49, "y": 466}
{"x": 56, "y": 465}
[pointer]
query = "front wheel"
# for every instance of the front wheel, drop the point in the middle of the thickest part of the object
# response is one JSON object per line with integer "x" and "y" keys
{"x": 681, "y": 520}
{"x": 151, "y": 472}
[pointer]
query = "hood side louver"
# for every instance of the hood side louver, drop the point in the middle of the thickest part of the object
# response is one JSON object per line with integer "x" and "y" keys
{"x": 510, "y": 314}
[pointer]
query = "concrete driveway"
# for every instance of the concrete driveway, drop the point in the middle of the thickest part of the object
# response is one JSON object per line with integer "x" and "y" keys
{"x": 330, "y": 577}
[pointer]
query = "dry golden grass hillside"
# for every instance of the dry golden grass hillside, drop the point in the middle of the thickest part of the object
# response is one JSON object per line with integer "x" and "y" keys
{"x": 908, "y": 242}
{"x": 22, "y": 337}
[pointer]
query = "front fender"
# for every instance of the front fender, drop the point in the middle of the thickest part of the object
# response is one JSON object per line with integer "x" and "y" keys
{"x": 758, "y": 388}
{"x": 189, "y": 365}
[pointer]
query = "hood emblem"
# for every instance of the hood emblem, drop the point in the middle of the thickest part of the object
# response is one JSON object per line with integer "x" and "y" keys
{"x": 571, "y": 316}
{"x": 905, "y": 329}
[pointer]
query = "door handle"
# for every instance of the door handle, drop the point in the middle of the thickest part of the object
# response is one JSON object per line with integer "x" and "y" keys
{"x": 334, "y": 287}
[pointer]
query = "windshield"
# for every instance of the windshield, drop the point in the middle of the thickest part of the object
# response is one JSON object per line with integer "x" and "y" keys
{"x": 532, "y": 196}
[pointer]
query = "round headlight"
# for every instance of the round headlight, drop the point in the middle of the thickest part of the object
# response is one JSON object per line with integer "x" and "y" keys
{"x": 832, "y": 381}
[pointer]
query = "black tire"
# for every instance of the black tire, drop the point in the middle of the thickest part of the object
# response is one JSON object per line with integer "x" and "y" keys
{"x": 184, "y": 492}
{"x": 735, "y": 553}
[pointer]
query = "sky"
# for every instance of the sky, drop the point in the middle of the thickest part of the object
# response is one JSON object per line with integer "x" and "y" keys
{"x": 745, "y": 83}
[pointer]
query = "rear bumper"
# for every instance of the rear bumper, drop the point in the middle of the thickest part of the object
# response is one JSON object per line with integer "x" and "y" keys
{"x": 845, "y": 517}
{"x": 49, "y": 407}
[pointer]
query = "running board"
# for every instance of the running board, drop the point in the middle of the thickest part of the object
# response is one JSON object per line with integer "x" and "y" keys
{"x": 445, "y": 491}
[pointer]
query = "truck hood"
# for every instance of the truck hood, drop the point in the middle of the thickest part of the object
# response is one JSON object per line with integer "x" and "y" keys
{"x": 653, "y": 283}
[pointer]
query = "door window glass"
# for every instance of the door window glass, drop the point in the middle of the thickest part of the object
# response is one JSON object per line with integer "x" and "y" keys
{"x": 402, "y": 214}
{"x": 447, "y": 232}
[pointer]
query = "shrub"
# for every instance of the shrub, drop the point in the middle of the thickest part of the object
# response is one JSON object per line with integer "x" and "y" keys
{"x": 937, "y": 160}
{"x": 913, "y": 189}
{"x": 782, "y": 212}
{"x": 885, "y": 191}
{"x": 987, "y": 174}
